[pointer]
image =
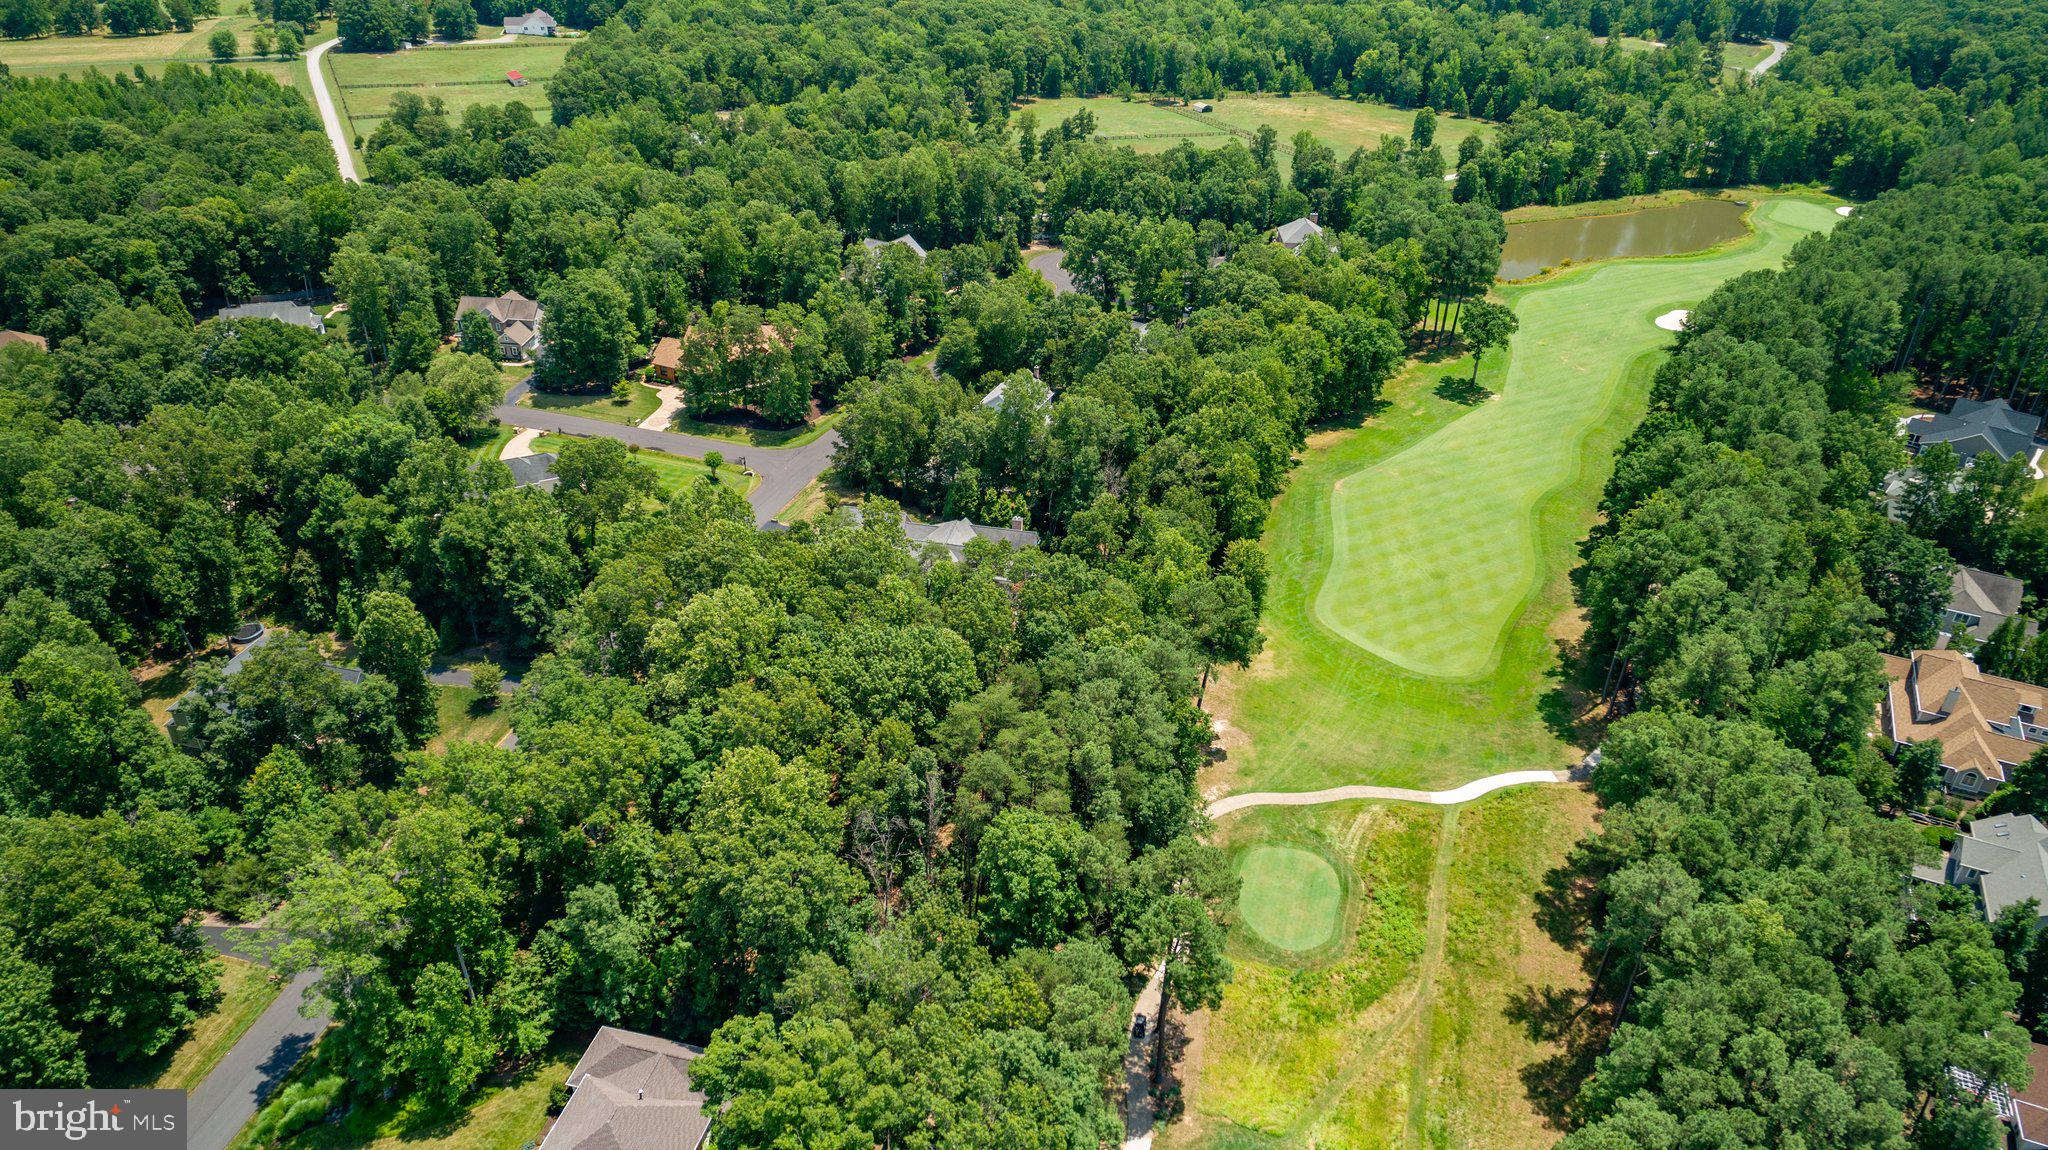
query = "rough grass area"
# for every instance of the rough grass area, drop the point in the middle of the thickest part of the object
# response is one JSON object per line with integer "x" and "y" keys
{"x": 505, "y": 1116}
{"x": 75, "y": 55}
{"x": 461, "y": 77}
{"x": 1290, "y": 897}
{"x": 1343, "y": 124}
{"x": 1367, "y": 1053}
{"x": 599, "y": 404}
{"x": 246, "y": 990}
{"x": 1418, "y": 602}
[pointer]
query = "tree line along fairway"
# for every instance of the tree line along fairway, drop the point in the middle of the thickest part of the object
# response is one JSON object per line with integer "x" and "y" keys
{"x": 1345, "y": 125}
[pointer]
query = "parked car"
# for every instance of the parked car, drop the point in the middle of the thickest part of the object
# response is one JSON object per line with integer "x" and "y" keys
{"x": 1138, "y": 1027}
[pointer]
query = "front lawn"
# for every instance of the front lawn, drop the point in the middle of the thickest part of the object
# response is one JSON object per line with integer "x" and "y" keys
{"x": 502, "y": 1117}
{"x": 599, "y": 405}
{"x": 672, "y": 472}
{"x": 460, "y": 717}
{"x": 246, "y": 992}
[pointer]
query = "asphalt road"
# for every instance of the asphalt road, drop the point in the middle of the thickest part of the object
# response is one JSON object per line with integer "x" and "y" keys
{"x": 1047, "y": 262}
{"x": 784, "y": 471}
{"x": 219, "y": 1107}
{"x": 1768, "y": 62}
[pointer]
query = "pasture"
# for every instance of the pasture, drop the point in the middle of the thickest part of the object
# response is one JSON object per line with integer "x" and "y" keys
{"x": 461, "y": 76}
{"x": 76, "y": 55}
{"x": 1418, "y": 602}
{"x": 1343, "y": 124}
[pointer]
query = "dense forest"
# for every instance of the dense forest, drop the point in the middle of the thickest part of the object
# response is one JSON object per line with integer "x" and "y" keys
{"x": 897, "y": 838}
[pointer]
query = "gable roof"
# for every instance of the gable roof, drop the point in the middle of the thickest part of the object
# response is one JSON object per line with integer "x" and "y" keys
{"x": 532, "y": 470}
{"x": 1943, "y": 695}
{"x": 537, "y": 16}
{"x": 27, "y": 337}
{"x": 1991, "y": 598}
{"x": 904, "y": 240}
{"x": 955, "y": 534}
{"x": 500, "y": 309}
{"x": 633, "y": 1092}
{"x": 1295, "y": 233}
{"x": 296, "y": 314}
{"x": 2010, "y": 855}
{"x": 1973, "y": 427}
{"x": 668, "y": 353}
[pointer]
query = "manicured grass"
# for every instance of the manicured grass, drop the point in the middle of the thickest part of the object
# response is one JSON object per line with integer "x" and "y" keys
{"x": 1418, "y": 598}
{"x": 460, "y": 717}
{"x": 1343, "y": 124}
{"x": 246, "y": 991}
{"x": 75, "y": 55}
{"x": 505, "y": 1117}
{"x": 748, "y": 435}
{"x": 672, "y": 472}
{"x": 599, "y": 405}
{"x": 1362, "y": 1052}
{"x": 492, "y": 445}
{"x": 1739, "y": 58}
{"x": 1428, "y": 567}
{"x": 1290, "y": 897}
{"x": 461, "y": 76}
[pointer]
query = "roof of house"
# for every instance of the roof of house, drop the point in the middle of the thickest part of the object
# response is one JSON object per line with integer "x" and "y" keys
{"x": 531, "y": 470}
{"x": 1294, "y": 233}
{"x": 768, "y": 337}
{"x": 537, "y": 16}
{"x": 1992, "y": 598}
{"x": 633, "y": 1092}
{"x": 501, "y": 309}
{"x": 28, "y": 337}
{"x": 2010, "y": 855}
{"x": 994, "y": 399}
{"x": 518, "y": 333}
{"x": 955, "y": 534}
{"x": 1942, "y": 695}
{"x": 668, "y": 353}
{"x": 906, "y": 240}
{"x": 2030, "y": 1106}
{"x": 296, "y": 314}
{"x": 240, "y": 658}
{"x": 1974, "y": 426}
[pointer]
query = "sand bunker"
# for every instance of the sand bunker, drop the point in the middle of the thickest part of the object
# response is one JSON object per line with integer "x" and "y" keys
{"x": 1673, "y": 320}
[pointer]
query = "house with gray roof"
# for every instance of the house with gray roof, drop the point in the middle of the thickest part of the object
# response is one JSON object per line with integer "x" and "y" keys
{"x": 1294, "y": 233}
{"x": 515, "y": 318}
{"x": 632, "y": 1092}
{"x": 906, "y": 240}
{"x": 955, "y": 534}
{"x": 534, "y": 23}
{"x": 2004, "y": 859}
{"x": 1978, "y": 601}
{"x": 295, "y": 314}
{"x": 537, "y": 470}
{"x": 1973, "y": 427}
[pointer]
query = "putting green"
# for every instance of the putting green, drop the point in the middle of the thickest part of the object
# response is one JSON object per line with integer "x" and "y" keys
{"x": 1289, "y": 897}
{"x": 1434, "y": 548}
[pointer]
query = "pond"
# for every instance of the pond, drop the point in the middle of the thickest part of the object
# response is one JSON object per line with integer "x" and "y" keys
{"x": 1688, "y": 227}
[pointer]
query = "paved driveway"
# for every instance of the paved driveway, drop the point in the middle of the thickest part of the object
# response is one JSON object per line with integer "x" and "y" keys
{"x": 784, "y": 471}
{"x": 219, "y": 1107}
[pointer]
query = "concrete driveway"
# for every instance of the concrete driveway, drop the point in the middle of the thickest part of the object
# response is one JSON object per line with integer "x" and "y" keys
{"x": 784, "y": 471}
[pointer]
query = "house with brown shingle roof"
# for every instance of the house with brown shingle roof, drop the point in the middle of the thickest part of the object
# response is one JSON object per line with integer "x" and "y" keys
{"x": 1987, "y": 725}
{"x": 666, "y": 361}
{"x": 632, "y": 1092}
{"x": 28, "y": 337}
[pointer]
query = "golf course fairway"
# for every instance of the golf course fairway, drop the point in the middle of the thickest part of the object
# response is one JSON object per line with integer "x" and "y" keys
{"x": 1418, "y": 597}
{"x": 1435, "y": 547}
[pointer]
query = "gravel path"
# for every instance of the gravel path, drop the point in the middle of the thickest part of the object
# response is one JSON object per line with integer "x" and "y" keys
{"x": 344, "y": 152}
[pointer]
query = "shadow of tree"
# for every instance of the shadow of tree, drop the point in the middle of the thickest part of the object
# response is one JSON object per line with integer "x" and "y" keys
{"x": 1462, "y": 391}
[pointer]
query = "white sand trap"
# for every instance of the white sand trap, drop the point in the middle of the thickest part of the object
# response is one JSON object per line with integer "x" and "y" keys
{"x": 1673, "y": 320}
{"x": 1846, "y": 210}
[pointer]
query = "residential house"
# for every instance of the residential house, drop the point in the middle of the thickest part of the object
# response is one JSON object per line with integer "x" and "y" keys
{"x": 632, "y": 1092}
{"x": 2004, "y": 860}
{"x": 767, "y": 339}
{"x": 1294, "y": 233}
{"x": 666, "y": 361}
{"x": 955, "y": 534}
{"x": 10, "y": 336}
{"x": 993, "y": 401}
{"x": 536, "y": 470}
{"x": 2024, "y": 1112}
{"x": 1974, "y": 427}
{"x": 515, "y": 318}
{"x": 1978, "y": 601}
{"x": 906, "y": 240}
{"x": 534, "y": 23}
{"x": 246, "y": 640}
{"x": 1987, "y": 725}
{"x": 295, "y": 314}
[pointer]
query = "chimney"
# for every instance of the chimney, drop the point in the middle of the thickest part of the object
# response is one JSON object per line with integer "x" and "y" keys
{"x": 1315, "y": 218}
{"x": 1016, "y": 523}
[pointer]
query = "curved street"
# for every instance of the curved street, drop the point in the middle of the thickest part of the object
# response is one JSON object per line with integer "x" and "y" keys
{"x": 784, "y": 471}
{"x": 1778, "y": 48}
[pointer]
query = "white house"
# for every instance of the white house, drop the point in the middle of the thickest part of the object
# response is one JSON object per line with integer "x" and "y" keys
{"x": 534, "y": 23}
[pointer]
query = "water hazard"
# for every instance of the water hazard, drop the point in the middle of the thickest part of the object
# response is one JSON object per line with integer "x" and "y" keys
{"x": 1688, "y": 227}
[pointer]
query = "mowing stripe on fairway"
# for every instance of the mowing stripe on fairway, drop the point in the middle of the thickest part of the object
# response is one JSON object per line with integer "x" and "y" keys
{"x": 1434, "y": 547}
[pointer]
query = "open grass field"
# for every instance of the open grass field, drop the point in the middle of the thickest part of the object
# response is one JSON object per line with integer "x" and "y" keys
{"x": 1739, "y": 58}
{"x": 1419, "y": 600}
{"x": 1343, "y": 124}
{"x": 748, "y": 434}
{"x": 75, "y": 55}
{"x": 598, "y": 405}
{"x": 462, "y": 77}
{"x": 460, "y": 717}
{"x": 1414, "y": 1034}
{"x": 246, "y": 991}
